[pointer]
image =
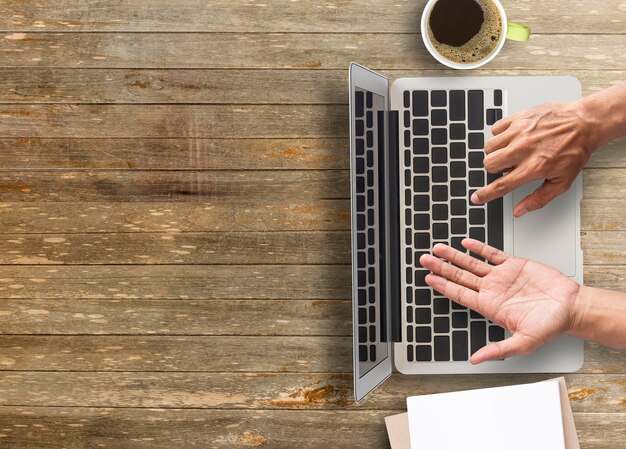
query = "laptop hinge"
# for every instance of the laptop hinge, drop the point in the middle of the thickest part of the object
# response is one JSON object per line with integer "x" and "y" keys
{"x": 393, "y": 217}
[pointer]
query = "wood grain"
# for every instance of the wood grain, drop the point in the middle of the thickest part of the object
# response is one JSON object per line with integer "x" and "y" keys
{"x": 117, "y": 428}
{"x": 127, "y": 316}
{"x": 202, "y": 153}
{"x": 597, "y": 393}
{"x": 223, "y": 216}
{"x": 218, "y": 86}
{"x": 259, "y": 282}
{"x": 383, "y": 16}
{"x": 216, "y": 248}
{"x": 292, "y": 50}
{"x": 219, "y": 185}
{"x": 157, "y": 353}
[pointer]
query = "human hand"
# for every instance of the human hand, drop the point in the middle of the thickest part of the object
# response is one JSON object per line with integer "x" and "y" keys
{"x": 551, "y": 142}
{"x": 533, "y": 301}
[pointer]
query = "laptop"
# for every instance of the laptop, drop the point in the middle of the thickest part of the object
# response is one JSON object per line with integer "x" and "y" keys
{"x": 416, "y": 152}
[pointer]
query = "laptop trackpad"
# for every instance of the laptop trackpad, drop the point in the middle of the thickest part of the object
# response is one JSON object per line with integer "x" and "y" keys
{"x": 547, "y": 235}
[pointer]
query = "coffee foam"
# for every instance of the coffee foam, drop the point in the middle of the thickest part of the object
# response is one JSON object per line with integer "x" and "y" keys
{"x": 481, "y": 45}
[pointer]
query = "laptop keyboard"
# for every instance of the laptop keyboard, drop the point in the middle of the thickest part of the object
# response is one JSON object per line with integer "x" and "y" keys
{"x": 367, "y": 164}
{"x": 441, "y": 166}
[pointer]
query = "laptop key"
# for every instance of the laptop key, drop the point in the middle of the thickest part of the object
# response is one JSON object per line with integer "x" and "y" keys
{"x": 362, "y": 315}
{"x": 362, "y": 334}
{"x": 439, "y": 136}
{"x": 409, "y": 314}
{"x": 457, "y": 131}
{"x": 475, "y": 315}
{"x": 360, "y": 240}
{"x": 421, "y": 222}
{"x": 360, "y": 147}
{"x": 459, "y": 346}
{"x": 420, "y": 165}
{"x": 422, "y": 295}
{"x": 475, "y": 159}
{"x": 370, "y": 237}
{"x": 458, "y": 206}
{"x": 459, "y": 320}
{"x": 423, "y": 353}
{"x": 407, "y": 98}
{"x": 442, "y": 348}
{"x": 409, "y": 353}
{"x": 476, "y": 178}
{"x": 478, "y": 335}
{"x": 457, "y": 105}
{"x": 421, "y": 184}
{"x": 420, "y": 146}
{"x": 439, "y": 155}
{"x": 457, "y": 169}
{"x": 372, "y": 353}
{"x": 441, "y": 306}
{"x": 409, "y": 333}
{"x": 491, "y": 116}
{"x": 409, "y": 295}
{"x": 497, "y": 97}
{"x": 440, "y": 212}
{"x": 420, "y": 103}
{"x": 422, "y": 334}
{"x": 477, "y": 233}
{"x": 477, "y": 216}
{"x": 438, "y": 98}
{"x": 440, "y": 231}
{"x": 372, "y": 333}
{"x": 358, "y": 103}
{"x": 439, "y": 117}
{"x": 476, "y": 141}
{"x": 371, "y": 294}
{"x": 422, "y": 315}
{"x": 369, "y": 119}
{"x": 458, "y": 226}
{"x": 420, "y": 127}
{"x": 475, "y": 110}
{"x": 457, "y": 150}
{"x": 368, "y": 100}
{"x": 407, "y": 119}
{"x": 439, "y": 174}
{"x": 458, "y": 188}
{"x": 370, "y": 198}
{"x": 421, "y": 202}
{"x": 422, "y": 240}
{"x": 440, "y": 192}
{"x": 362, "y": 353}
{"x": 496, "y": 333}
{"x": 455, "y": 242}
{"x": 409, "y": 275}
{"x": 441, "y": 325}
{"x": 369, "y": 137}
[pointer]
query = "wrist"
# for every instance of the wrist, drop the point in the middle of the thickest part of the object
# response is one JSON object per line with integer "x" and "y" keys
{"x": 603, "y": 118}
{"x": 581, "y": 303}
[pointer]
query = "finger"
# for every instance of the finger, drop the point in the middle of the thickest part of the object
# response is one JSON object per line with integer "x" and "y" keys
{"x": 502, "y": 160}
{"x": 493, "y": 255}
{"x": 471, "y": 264}
{"x": 457, "y": 293}
{"x": 540, "y": 197}
{"x": 502, "y": 185}
{"x": 517, "y": 344}
{"x": 498, "y": 142}
{"x": 450, "y": 272}
{"x": 501, "y": 125}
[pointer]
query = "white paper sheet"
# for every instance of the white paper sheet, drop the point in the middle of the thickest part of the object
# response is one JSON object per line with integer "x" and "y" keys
{"x": 514, "y": 417}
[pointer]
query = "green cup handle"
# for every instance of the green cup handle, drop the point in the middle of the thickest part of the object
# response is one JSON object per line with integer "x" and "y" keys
{"x": 517, "y": 32}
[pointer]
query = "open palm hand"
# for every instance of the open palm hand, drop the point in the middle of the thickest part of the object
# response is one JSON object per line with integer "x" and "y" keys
{"x": 533, "y": 301}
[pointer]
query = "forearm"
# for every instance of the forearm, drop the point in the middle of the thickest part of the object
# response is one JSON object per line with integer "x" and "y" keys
{"x": 600, "y": 316}
{"x": 605, "y": 114}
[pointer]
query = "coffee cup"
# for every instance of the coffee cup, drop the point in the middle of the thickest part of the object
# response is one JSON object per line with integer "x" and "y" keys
{"x": 441, "y": 14}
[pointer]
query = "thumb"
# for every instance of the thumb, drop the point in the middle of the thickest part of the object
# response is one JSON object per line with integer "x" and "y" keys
{"x": 517, "y": 344}
{"x": 545, "y": 193}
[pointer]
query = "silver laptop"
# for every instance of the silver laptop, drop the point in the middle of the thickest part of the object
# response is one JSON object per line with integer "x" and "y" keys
{"x": 416, "y": 153}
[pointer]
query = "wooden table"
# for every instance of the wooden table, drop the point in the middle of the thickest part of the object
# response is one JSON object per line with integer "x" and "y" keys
{"x": 175, "y": 218}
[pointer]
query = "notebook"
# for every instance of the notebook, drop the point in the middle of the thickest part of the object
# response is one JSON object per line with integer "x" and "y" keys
{"x": 399, "y": 434}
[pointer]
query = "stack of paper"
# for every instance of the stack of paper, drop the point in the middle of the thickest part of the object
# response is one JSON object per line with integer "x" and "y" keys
{"x": 521, "y": 416}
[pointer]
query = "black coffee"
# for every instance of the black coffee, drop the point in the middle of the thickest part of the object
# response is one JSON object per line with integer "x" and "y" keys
{"x": 465, "y": 31}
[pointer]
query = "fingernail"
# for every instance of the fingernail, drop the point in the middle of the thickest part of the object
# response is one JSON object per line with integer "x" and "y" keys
{"x": 522, "y": 213}
{"x": 474, "y": 198}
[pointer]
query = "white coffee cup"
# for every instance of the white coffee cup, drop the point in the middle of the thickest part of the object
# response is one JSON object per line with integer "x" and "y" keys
{"x": 510, "y": 30}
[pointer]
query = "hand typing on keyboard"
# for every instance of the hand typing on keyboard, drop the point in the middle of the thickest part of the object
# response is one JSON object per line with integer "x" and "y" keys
{"x": 551, "y": 142}
{"x": 536, "y": 303}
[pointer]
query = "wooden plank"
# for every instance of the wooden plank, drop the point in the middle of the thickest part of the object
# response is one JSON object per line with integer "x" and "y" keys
{"x": 262, "y": 214}
{"x": 179, "y": 317}
{"x": 218, "y": 185}
{"x": 292, "y": 50}
{"x": 199, "y": 153}
{"x": 205, "y": 186}
{"x": 216, "y": 121}
{"x": 304, "y": 248}
{"x": 588, "y": 392}
{"x": 216, "y": 86}
{"x": 260, "y": 248}
{"x": 258, "y": 282}
{"x": 383, "y": 16}
{"x": 124, "y": 428}
{"x": 311, "y": 354}
{"x": 186, "y": 281}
